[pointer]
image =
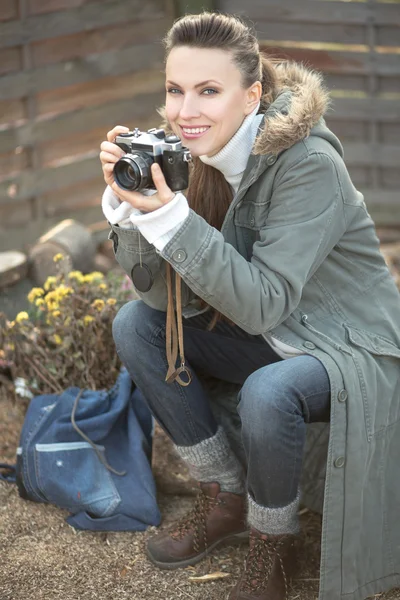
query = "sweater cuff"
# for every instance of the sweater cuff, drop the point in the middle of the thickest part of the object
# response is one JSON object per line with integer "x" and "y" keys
{"x": 115, "y": 211}
{"x": 164, "y": 220}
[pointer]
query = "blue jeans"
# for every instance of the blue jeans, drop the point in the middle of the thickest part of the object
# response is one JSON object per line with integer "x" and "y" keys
{"x": 277, "y": 398}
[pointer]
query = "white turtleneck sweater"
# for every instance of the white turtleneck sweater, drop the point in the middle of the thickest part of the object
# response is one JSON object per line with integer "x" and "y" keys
{"x": 160, "y": 226}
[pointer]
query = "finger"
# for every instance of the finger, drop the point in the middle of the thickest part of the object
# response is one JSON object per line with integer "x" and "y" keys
{"x": 111, "y": 147}
{"x": 111, "y": 135}
{"x": 134, "y": 198}
{"x": 108, "y": 168}
{"x": 164, "y": 192}
{"x": 106, "y": 157}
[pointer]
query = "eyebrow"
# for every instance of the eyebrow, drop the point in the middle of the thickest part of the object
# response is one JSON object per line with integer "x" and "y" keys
{"x": 198, "y": 84}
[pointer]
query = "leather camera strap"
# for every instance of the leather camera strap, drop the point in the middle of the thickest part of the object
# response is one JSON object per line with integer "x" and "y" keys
{"x": 174, "y": 332}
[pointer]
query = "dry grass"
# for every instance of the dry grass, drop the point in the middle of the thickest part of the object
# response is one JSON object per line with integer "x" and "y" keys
{"x": 43, "y": 558}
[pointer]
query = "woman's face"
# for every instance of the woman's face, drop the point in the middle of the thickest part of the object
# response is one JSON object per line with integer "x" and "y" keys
{"x": 205, "y": 102}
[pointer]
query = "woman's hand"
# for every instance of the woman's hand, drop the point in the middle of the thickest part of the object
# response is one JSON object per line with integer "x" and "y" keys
{"x": 110, "y": 154}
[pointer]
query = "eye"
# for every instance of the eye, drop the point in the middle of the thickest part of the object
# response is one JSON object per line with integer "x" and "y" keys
{"x": 173, "y": 91}
{"x": 209, "y": 91}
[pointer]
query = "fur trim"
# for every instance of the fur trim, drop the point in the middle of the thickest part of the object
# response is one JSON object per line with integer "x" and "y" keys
{"x": 309, "y": 100}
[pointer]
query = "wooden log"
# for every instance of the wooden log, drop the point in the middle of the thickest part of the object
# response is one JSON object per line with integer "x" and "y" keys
{"x": 13, "y": 267}
{"x": 69, "y": 238}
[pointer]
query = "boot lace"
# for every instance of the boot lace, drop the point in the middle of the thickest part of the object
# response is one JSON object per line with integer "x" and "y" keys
{"x": 196, "y": 520}
{"x": 260, "y": 562}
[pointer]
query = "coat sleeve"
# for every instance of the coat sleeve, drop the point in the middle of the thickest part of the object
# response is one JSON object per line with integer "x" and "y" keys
{"x": 305, "y": 221}
{"x": 130, "y": 247}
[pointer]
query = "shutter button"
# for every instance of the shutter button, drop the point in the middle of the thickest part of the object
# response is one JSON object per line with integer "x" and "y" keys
{"x": 179, "y": 256}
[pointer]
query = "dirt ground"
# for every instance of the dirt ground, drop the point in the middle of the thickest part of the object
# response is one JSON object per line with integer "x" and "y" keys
{"x": 43, "y": 558}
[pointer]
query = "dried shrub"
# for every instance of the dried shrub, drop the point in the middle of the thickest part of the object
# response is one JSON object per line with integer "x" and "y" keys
{"x": 65, "y": 338}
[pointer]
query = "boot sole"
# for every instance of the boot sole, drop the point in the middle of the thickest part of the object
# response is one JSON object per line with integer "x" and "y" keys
{"x": 237, "y": 538}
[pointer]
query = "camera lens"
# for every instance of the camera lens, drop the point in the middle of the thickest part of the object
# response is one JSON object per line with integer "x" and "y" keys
{"x": 132, "y": 171}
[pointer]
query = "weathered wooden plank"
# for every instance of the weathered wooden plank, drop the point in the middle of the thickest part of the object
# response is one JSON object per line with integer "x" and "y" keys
{"x": 387, "y": 35}
{"x": 38, "y": 7}
{"x": 382, "y": 198}
{"x": 370, "y": 155}
{"x": 338, "y": 61}
{"x": 12, "y": 112}
{"x": 364, "y": 109}
{"x": 99, "y": 91}
{"x": 10, "y": 60}
{"x": 123, "y": 111}
{"x": 118, "y": 62}
{"x": 269, "y": 29}
{"x": 34, "y": 183}
{"x": 9, "y": 10}
{"x": 74, "y": 20}
{"x": 312, "y": 11}
{"x": 72, "y": 47}
{"x": 21, "y": 238}
{"x": 339, "y": 81}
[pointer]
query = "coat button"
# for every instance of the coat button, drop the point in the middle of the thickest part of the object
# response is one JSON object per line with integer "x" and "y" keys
{"x": 271, "y": 160}
{"x": 342, "y": 396}
{"x": 252, "y": 221}
{"x": 309, "y": 345}
{"x": 339, "y": 462}
{"x": 179, "y": 256}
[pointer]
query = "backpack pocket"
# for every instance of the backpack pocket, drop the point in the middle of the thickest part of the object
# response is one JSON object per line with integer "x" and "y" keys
{"x": 71, "y": 476}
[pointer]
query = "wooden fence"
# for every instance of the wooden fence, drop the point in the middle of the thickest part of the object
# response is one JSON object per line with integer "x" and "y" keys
{"x": 71, "y": 69}
{"x": 357, "y": 47}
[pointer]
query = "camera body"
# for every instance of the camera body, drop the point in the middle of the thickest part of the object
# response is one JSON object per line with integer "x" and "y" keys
{"x": 132, "y": 172}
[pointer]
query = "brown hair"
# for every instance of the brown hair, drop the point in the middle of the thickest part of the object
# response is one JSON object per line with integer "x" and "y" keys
{"x": 209, "y": 194}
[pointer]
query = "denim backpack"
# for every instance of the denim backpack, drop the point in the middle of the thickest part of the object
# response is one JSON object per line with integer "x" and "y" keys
{"x": 90, "y": 452}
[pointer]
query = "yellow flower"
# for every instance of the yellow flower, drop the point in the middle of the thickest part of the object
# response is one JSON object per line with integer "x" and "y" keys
{"x": 103, "y": 286}
{"x": 52, "y": 305}
{"x": 77, "y": 275}
{"x": 58, "y": 257}
{"x": 39, "y": 302}
{"x": 35, "y": 292}
{"x": 111, "y": 302}
{"x": 11, "y": 324}
{"x": 95, "y": 276}
{"x": 50, "y": 281}
{"x": 88, "y": 319}
{"x": 57, "y": 339}
{"x": 22, "y": 316}
{"x": 99, "y": 304}
{"x": 56, "y": 313}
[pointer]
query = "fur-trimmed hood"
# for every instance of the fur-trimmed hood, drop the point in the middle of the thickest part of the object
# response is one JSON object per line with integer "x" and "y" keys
{"x": 300, "y": 102}
{"x": 293, "y": 110}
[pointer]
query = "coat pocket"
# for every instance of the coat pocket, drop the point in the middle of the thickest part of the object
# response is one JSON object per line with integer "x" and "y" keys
{"x": 70, "y": 475}
{"x": 377, "y": 360}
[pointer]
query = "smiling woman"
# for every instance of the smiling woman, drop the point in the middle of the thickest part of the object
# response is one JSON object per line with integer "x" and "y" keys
{"x": 272, "y": 236}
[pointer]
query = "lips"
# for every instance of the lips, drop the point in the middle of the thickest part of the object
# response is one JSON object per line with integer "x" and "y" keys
{"x": 191, "y": 133}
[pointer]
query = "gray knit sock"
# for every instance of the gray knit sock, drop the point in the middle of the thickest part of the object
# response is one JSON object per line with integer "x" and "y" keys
{"x": 213, "y": 460}
{"x": 274, "y": 521}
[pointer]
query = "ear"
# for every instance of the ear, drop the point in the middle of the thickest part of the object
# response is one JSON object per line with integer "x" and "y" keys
{"x": 254, "y": 93}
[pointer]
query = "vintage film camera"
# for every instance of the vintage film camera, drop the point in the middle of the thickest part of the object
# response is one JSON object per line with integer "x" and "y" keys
{"x": 132, "y": 171}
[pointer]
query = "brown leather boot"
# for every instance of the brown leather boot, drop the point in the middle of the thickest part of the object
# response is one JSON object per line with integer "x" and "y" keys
{"x": 216, "y": 518}
{"x": 270, "y": 564}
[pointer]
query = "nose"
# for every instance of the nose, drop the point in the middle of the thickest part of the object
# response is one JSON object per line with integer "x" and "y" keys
{"x": 189, "y": 108}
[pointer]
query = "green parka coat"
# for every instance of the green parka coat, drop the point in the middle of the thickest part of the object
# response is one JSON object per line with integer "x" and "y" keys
{"x": 298, "y": 256}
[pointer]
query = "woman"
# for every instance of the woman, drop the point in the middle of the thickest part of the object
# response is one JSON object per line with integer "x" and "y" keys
{"x": 297, "y": 308}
